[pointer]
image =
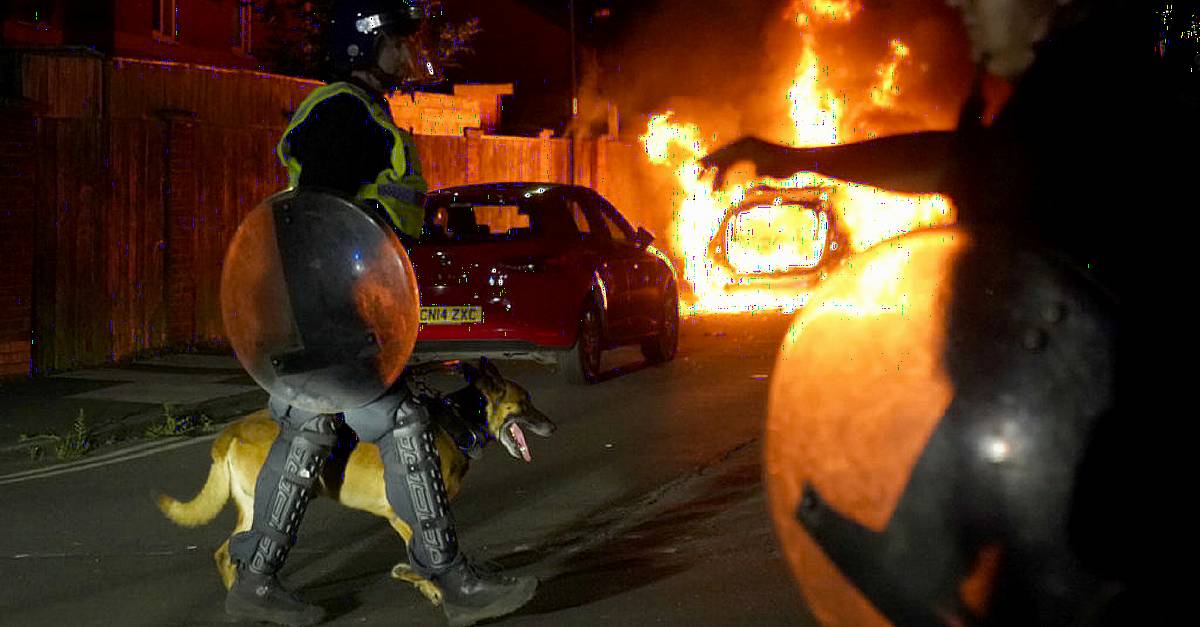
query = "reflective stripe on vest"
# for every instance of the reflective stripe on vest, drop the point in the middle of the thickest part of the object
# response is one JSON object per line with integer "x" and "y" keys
{"x": 400, "y": 189}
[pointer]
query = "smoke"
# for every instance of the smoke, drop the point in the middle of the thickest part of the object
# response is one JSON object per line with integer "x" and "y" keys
{"x": 694, "y": 57}
{"x": 726, "y": 64}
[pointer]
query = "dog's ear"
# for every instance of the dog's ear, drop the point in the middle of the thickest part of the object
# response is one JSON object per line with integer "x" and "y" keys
{"x": 489, "y": 368}
{"x": 469, "y": 372}
{"x": 488, "y": 379}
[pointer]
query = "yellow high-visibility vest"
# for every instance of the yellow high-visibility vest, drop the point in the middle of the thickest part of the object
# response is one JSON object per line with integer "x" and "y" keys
{"x": 400, "y": 188}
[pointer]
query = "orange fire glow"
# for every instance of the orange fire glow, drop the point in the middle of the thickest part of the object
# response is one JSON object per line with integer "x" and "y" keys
{"x": 816, "y": 112}
{"x": 864, "y": 215}
{"x": 884, "y": 93}
{"x": 828, "y": 10}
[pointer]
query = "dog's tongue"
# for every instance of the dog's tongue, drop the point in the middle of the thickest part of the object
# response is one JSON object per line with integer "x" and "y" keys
{"x": 515, "y": 431}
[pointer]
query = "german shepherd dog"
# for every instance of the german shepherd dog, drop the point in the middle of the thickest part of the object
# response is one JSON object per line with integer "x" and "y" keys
{"x": 489, "y": 407}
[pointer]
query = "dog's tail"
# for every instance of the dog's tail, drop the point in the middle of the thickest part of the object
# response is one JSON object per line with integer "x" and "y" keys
{"x": 212, "y": 497}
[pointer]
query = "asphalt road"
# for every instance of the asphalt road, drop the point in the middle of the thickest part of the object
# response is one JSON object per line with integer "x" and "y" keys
{"x": 645, "y": 508}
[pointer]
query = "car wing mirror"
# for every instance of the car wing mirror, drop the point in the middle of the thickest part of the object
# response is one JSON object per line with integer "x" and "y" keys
{"x": 643, "y": 238}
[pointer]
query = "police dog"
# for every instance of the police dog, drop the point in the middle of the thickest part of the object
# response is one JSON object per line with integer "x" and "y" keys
{"x": 499, "y": 408}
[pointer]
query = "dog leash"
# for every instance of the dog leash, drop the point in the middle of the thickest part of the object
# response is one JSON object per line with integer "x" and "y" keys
{"x": 469, "y": 437}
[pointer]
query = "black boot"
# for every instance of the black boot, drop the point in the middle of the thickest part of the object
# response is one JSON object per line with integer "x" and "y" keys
{"x": 416, "y": 492}
{"x": 470, "y": 595}
{"x": 284, "y": 487}
{"x": 261, "y": 597}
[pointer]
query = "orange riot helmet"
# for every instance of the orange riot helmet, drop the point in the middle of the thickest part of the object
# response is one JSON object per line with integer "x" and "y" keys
{"x": 941, "y": 423}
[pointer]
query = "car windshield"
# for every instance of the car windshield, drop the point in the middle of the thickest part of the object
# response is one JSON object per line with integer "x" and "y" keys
{"x": 450, "y": 219}
{"x": 469, "y": 222}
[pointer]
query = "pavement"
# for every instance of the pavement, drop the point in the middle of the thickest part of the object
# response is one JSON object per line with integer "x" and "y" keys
{"x": 48, "y": 421}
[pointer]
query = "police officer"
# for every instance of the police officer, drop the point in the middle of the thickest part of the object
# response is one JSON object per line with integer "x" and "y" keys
{"x": 342, "y": 138}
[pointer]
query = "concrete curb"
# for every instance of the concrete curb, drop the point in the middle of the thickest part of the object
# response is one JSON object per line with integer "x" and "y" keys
{"x": 131, "y": 428}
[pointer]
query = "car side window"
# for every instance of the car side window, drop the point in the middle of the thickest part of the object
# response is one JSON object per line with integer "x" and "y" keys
{"x": 614, "y": 231}
{"x": 580, "y": 218}
{"x": 586, "y": 218}
{"x": 616, "y": 226}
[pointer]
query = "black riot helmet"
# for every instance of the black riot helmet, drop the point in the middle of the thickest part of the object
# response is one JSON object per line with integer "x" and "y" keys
{"x": 358, "y": 28}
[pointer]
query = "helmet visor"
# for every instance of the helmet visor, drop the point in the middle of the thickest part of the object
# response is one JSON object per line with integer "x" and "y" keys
{"x": 413, "y": 32}
{"x": 401, "y": 22}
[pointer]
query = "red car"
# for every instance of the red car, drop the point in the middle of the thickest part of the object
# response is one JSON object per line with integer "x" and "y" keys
{"x": 540, "y": 271}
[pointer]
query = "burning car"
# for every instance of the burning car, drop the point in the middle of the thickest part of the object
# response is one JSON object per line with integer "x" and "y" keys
{"x": 540, "y": 271}
{"x": 843, "y": 85}
{"x": 779, "y": 238}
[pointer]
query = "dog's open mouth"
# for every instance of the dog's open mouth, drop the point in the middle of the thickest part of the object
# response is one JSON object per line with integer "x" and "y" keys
{"x": 514, "y": 440}
{"x": 512, "y": 432}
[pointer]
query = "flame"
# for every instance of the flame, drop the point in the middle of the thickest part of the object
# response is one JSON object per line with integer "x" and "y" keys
{"x": 884, "y": 93}
{"x": 864, "y": 215}
{"x": 776, "y": 238}
{"x": 828, "y": 10}
{"x": 816, "y": 113}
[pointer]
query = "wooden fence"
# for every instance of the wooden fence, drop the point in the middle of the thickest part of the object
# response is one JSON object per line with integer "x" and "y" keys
{"x": 18, "y": 137}
{"x": 122, "y": 181}
{"x": 114, "y": 229}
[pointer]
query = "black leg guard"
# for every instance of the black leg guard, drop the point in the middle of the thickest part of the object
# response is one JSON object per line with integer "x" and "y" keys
{"x": 415, "y": 490}
{"x": 281, "y": 495}
{"x": 284, "y": 487}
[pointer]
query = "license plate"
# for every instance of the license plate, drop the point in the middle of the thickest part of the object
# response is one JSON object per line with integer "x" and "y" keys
{"x": 451, "y": 315}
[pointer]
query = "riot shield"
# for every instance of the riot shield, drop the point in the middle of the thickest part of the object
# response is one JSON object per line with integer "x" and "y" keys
{"x": 319, "y": 301}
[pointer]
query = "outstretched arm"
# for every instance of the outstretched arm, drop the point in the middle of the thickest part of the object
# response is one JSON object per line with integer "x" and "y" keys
{"x": 913, "y": 163}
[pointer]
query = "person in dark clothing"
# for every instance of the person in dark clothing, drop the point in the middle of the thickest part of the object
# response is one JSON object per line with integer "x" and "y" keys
{"x": 1074, "y": 172}
{"x": 340, "y": 144}
{"x": 342, "y": 138}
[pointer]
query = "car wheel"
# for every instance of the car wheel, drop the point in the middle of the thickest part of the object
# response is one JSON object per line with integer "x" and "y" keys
{"x": 663, "y": 346}
{"x": 581, "y": 364}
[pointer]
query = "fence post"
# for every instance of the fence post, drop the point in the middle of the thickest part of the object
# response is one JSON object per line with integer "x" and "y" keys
{"x": 18, "y": 179}
{"x": 600, "y": 167}
{"x": 584, "y": 163}
{"x": 180, "y": 205}
{"x": 546, "y": 156}
{"x": 474, "y": 147}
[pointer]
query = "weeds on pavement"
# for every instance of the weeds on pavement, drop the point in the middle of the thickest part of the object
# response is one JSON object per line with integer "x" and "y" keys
{"x": 174, "y": 424}
{"x": 73, "y": 444}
